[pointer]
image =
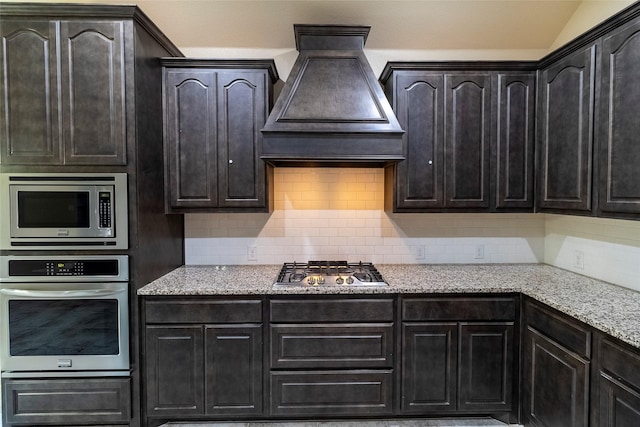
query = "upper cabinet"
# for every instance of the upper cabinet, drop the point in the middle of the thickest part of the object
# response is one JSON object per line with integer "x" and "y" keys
{"x": 565, "y": 131}
{"x": 213, "y": 113}
{"x": 469, "y": 136}
{"x": 63, "y": 92}
{"x": 618, "y": 126}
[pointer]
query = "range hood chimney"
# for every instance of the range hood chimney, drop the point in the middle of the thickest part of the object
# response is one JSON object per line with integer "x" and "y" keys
{"x": 332, "y": 110}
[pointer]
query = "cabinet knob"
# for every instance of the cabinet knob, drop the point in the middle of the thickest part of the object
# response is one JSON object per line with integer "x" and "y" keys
{"x": 230, "y": 161}
{"x": 430, "y": 162}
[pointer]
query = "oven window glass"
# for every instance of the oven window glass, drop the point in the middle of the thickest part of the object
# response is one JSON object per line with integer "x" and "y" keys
{"x": 53, "y": 209}
{"x": 63, "y": 327}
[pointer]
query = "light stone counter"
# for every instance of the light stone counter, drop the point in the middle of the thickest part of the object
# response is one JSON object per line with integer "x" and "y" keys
{"x": 609, "y": 308}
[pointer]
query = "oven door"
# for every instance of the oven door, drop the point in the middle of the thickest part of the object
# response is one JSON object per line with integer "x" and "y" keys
{"x": 64, "y": 327}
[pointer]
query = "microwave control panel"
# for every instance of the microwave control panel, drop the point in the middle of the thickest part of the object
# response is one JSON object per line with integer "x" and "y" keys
{"x": 104, "y": 206}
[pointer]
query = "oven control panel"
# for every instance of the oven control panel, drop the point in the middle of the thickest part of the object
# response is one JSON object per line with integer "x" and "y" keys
{"x": 13, "y": 268}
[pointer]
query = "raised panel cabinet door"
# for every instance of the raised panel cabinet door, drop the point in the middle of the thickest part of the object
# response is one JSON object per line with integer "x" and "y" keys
{"x": 515, "y": 95}
{"x": 429, "y": 362}
{"x": 486, "y": 367}
{"x": 419, "y": 108}
{"x": 556, "y": 384}
{"x": 233, "y": 369}
{"x": 467, "y": 140}
{"x": 190, "y": 112}
{"x": 618, "y": 122}
{"x": 565, "y": 126}
{"x": 243, "y": 110}
{"x": 29, "y": 91}
{"x": 174, "y": 372}
{"x": 92, "y": 59}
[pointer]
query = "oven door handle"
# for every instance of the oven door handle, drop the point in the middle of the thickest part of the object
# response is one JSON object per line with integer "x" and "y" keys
{"x": 85, "y": 293}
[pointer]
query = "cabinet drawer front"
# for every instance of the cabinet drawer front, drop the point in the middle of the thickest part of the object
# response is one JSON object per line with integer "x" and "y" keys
{"x": 204, "y": 311}
{"x": 465, "y": 309}
{"x": 330, "y": 346}
{"x": 332, "y": 310}
{"x": 620, "y": 362}
{"x": 330, "y": 393}
{"x": 571, "y": 335}
{"x": 68, "y": 401}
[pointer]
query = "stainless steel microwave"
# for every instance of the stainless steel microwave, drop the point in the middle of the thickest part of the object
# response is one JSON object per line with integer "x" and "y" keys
{"x": 63, "y": 211}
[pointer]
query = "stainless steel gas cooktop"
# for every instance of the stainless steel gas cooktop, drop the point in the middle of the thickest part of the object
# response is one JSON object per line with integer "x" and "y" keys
{"x": 329, "y": 273}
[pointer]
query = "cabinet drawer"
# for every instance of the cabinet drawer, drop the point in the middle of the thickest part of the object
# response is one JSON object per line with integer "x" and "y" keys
{"x": 203, "y": 311}
{"x": 620, "y": 362}
{"x": 465, "y": 309}
{"x": 331, "y": 310}
{"x": 570, "y": 334}
{"x": 67, "y": 401}
{"x": 330, "y": 393}
{"x": 331, "y": 346}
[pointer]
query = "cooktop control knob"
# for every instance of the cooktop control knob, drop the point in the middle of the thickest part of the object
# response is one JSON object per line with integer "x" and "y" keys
{"x": 321, "y": 280}
{"x": 339, "y": 281}
{"x": 311, "y": 280}
{"x": 349, "y": 280}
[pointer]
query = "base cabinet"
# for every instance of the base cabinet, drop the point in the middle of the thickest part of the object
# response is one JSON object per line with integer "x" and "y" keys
{"x": 556, "y": 368}
{"x": 458, "y": 355}
{"x": 200, "y": 362}
{"x": 65, "y": 402}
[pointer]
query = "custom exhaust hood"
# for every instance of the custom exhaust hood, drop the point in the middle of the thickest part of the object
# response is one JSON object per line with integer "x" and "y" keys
{"x": 332, "y": 110}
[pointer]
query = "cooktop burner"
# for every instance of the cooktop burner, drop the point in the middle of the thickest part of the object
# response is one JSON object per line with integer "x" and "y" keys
{"x": 329, "y": 273}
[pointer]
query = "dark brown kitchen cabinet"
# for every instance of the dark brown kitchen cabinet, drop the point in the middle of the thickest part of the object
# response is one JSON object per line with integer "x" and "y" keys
{"x": 565, "y": 132}
{"x": 331, "y": 355}
{"x": 67, "y": 401}
{"x": 203, "y": 358}
{"x": 618, "y": 125}
{"x": 615, "y": 399}
{"x": 63, "y": 92}
{"x": 469, "y": 138}
{"x": 214, "y": 111}
{"x": 458, "y": 355}
{"x": 513, "y": 100}
{"x": 556, "y": 364}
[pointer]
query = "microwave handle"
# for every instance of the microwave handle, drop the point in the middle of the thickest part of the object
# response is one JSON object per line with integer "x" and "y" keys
{"x": 85, "y": 293}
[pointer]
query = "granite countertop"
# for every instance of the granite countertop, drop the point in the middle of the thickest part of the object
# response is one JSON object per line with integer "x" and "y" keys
{"x": 609, "y": 308}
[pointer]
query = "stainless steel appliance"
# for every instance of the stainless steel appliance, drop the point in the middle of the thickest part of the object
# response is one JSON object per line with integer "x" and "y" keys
{"x": 64, "y": 315}
{"x": 329, "y": 273}
{"x": 63, "y": 211}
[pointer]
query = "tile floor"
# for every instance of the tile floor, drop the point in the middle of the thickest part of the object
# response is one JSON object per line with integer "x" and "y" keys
{"x": 451, "y": 422}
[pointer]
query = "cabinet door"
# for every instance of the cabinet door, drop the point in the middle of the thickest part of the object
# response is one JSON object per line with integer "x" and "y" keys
{"x": 514, "y": 100}
{"x": 565, "y": 138}
{"x": 419, "y": 107}
{"x": 233, "y": 369}
{"x": 93, "y": 92}
{"x": 486, "y": 367}
{"x": 429, "y": 355}
{"x": 556, "y": 383}
{"x": 242, "y": 112}
{"x": 174, "y": 380}
{"x": 467, "y": 148}
{"x": 190, "y": 138}
{"x": 29, "y": 93}
{"x": 616, "y": 397}
{"x": 618, "y": 122}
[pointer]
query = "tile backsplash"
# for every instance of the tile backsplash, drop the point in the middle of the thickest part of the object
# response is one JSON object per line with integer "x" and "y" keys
{"x": 337, "y": 213}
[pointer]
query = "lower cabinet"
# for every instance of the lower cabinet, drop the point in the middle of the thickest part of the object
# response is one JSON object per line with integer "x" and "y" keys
{"x": 458, "y": 355}
{"x": 65, "y": 402}
{"x": 331, "y": 357}
{"x": 616, "y": 385}
{"x": 203, "y": 358}
{"x": 556, "y": 367}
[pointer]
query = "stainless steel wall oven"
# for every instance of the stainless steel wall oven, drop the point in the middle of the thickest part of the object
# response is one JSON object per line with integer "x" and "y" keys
{"x": 64, "y": 315}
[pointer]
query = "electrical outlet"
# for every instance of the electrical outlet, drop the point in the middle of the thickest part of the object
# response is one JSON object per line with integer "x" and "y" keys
{"x": 421, "y": 252}
{"x": 252, "y": 253}
{"x": 479, "y": 252}
{"x": 578, "y": 260}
